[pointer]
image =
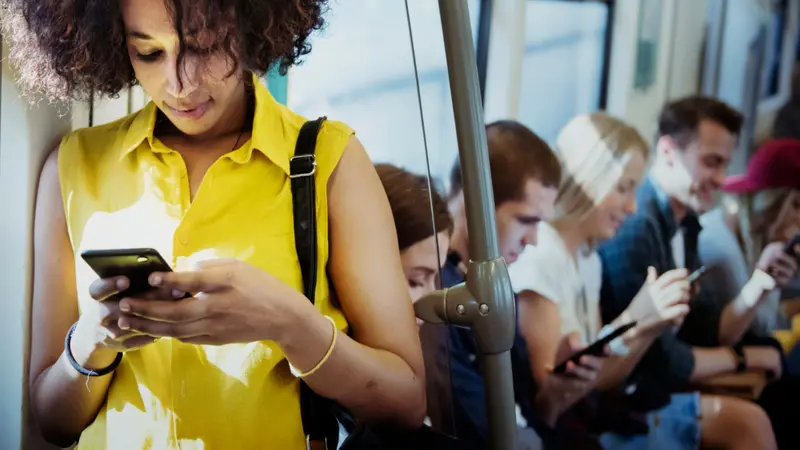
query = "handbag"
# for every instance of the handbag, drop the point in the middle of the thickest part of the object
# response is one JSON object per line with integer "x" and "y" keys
{"x": 321, "y": 417}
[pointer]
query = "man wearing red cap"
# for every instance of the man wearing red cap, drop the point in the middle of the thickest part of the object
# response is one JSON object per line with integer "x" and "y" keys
{"x": 697, "y": 137}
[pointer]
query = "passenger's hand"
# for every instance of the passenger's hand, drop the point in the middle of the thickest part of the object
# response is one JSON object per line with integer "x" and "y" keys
{"x": 777, "y": 263}
{"x": 560, "y": 391}
{"x": 234, "y": 302}
{"x": 764, "y": 358}
{"x": 662, "y": 301}
{"x": 97, "y": 335}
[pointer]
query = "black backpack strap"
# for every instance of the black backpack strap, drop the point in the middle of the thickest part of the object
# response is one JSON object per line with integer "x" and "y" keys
{"x": 319, "y": 423}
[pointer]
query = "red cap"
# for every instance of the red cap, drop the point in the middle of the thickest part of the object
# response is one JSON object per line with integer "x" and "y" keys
{"x": 776, "y": 164}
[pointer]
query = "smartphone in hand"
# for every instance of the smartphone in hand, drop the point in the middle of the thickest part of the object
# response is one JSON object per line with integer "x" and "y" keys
{"x": 791, "y": 247}
{"x": 695, "y": 276}
{"x": 134, "y": 263}
{"x": 596, "y": 348}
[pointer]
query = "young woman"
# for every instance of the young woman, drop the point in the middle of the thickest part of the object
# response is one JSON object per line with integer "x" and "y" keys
{"x": 603, "y": 161}
{"x": 744, "y": 239}
{"x": 744, "y": 242}
{"x": 201, "y": 174}
{"x": 423, "y": 225}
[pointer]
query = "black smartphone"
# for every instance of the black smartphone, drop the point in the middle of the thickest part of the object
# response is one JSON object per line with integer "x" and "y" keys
{"x": 596, "y": 348}
{"x": 135, "y": 263}
{"x": 790, "y": 246}
{"x": 695, "y": 276}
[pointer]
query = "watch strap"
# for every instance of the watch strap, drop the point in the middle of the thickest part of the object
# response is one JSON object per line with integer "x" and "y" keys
{"x": 741, "y": 361}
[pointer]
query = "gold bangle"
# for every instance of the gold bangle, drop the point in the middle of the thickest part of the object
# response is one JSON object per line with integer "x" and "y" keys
{"x": 327, "y": 355}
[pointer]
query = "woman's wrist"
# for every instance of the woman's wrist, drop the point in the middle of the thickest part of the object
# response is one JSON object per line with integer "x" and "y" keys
{"x": 304, "y": 335}
{"x": 88, "y": 351}
{"x": 634, "y": 333}
{"x": 761, "y": 280}
{"x": 753, "y": 292}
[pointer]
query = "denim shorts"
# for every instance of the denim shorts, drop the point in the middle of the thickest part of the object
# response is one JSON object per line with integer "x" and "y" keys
{"x": 673, "y": 427}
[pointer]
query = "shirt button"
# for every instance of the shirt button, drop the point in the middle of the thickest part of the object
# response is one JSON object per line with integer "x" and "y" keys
{"x": 184, "y": 239}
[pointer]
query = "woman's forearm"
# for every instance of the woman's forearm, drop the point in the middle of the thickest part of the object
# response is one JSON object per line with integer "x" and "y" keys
{"x": 740, "y": 312}
{"x": 65, "y": 402}
{"x": 617, "y": 368}
{"x": 374, "y": 384}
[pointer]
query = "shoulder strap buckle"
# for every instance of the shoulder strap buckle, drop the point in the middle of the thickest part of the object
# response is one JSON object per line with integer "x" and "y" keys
{"x": 302, "y": 166}
{"x": 316, "y": 444}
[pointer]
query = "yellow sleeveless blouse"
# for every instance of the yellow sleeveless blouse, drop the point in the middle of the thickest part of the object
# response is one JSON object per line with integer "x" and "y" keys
{"x": 123, "y": 188}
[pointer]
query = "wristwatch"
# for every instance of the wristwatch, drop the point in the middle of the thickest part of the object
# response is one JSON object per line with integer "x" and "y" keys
{"x": 741, "y": 361}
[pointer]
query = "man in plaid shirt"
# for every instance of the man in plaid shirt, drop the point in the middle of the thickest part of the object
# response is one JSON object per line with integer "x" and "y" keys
{"x": 697, "y": 137}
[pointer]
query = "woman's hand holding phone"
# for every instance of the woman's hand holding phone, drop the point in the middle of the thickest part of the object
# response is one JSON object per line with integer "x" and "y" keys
{"x": 562, "y": 390}
{"x": 233, "y": 302}
{"x": 97, "y": 338}
{"x": 777, "y": 263}
{"x": 662, "y": 301}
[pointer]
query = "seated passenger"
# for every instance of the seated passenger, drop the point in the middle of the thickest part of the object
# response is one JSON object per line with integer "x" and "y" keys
{"x": 743, "y": 243}
{"x": 423, "y": 226}
{"x": 697, "y": 138}
{"x": 525, "y": 177}
{"x": 201, "y": 174}
{"x": 558, "y": 280}
{"x": 743, "y": 240}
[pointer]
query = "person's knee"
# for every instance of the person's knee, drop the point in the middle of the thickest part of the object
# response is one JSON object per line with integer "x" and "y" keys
{"x": 743, "y": 424}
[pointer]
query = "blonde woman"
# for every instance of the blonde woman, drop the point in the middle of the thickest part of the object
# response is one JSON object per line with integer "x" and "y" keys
{"x": 559, "y": 280}
{"x": 744, "y": 239}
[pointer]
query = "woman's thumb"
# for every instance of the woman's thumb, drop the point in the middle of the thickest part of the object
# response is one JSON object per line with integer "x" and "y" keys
{"x": 652, "y": 274}
{"x": 574, "y": 340}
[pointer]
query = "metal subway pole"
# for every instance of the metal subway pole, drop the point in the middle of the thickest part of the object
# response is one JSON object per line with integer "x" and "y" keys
{"x": 485, "y": 302}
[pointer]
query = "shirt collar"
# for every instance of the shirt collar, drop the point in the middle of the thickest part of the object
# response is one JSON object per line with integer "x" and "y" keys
{"x": 271, "y": 134}
{"x": 141, "y": 128}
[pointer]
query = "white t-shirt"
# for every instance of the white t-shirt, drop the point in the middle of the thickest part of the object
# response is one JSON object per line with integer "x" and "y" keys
{"x": 549, "y": 270}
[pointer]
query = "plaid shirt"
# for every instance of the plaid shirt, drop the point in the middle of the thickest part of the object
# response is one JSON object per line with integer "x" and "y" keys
{"x": 644, "y": 240}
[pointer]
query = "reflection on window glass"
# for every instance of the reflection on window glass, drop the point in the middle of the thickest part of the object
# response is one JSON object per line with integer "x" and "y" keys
{"x": 563, "y": 63}
{"x": 361, "y": 71}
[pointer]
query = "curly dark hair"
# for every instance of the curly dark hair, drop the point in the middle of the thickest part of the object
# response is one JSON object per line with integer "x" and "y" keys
{"x": 71, "y": 49}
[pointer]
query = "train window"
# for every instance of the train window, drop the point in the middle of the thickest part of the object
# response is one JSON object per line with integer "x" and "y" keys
{"x": 361, "y": 71}
{"x": 773, "y": 57}
{"x": 562, "y": 67}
